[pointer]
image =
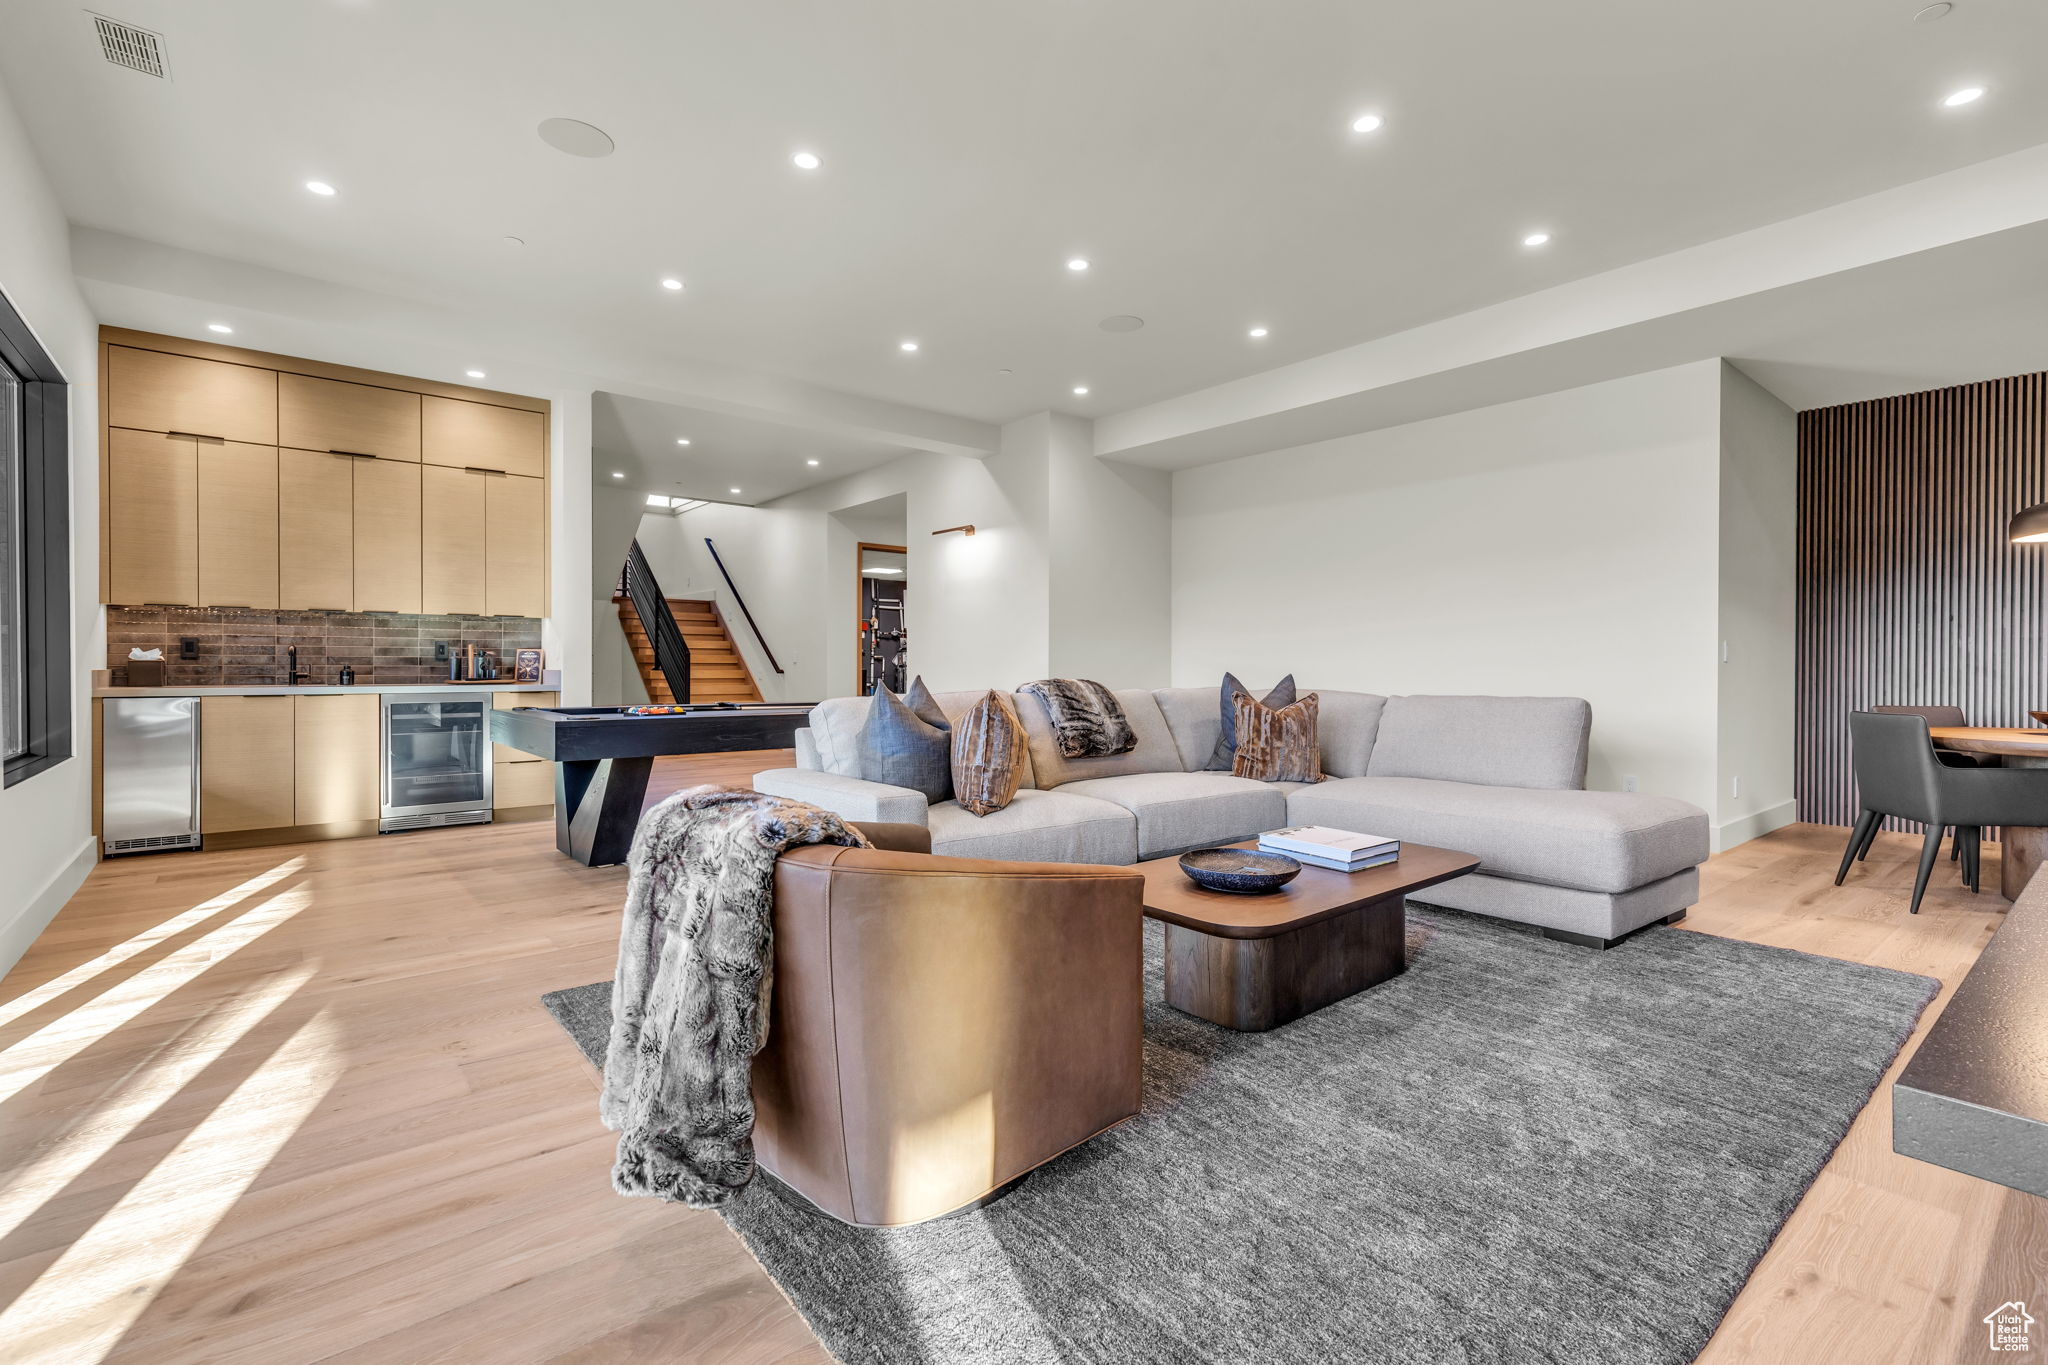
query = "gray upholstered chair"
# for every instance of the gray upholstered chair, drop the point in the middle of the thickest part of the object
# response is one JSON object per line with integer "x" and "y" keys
{"x": 1950, "y": 758}
{"x": 1898, "y": 774}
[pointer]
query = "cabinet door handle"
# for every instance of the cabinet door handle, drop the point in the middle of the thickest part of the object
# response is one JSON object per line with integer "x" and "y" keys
{"x": 479, "y": 469}
{"x": 354, "y": 454}
{"x": 198, "y": 436}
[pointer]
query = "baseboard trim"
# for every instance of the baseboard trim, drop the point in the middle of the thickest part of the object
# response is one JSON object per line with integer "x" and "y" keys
{"x": 16, "y": 936}
{"x": 1754, "y": 825}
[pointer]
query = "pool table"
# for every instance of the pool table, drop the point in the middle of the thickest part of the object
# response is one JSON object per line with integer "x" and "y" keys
{"x": 603, "y": 755}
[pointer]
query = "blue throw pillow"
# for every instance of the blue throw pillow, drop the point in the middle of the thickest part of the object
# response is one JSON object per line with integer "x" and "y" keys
{"x": 901, "y": 748}
{"x": 1225, "y": 755}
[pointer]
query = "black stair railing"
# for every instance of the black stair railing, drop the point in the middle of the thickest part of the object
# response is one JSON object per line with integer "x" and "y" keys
{"x": 727, "y": 575}
{"x": 671, "y": 650}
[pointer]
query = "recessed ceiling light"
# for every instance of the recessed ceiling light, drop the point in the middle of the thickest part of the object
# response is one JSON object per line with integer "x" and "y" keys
{"x": 906, "y": 345}
{"x": 1969, "y": 94}
{"x": 1927, "y": 14}
{"x": 1077, "y": 264}
{"x": 806, "y": 161}
{"x": 575, "y": 137}
{"x": 733, "y": 490}
{"x": 474, "y": 374}
{"x": 1121, "y": 322}
{"x": 220, "y": 327}
{"x": 671, "y": 283}
{"x": 810, "y": 462}
{"x": 682, "y": 440}
{"x": 1367, "y": 123}
{"x": 618, "y": 474}
{"x": 515, "y": 241}
{"x": 1256, "y": 333}
{"x": 1080, "y": 390}
{"x": 320, "y": 187}
{"x": 1536, "y": 239}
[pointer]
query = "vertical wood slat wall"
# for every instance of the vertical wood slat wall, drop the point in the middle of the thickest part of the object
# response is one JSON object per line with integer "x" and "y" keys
{"x": 1909, "y": 593}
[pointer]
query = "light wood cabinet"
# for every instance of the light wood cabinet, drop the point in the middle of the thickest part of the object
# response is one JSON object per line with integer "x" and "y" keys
{"x": 515, "y": 546}
{"x": 336, "y": 758}
{"x": 316, "y": 524}
{"x": 152, "y": 519}
{"x": 155, "y": 391}
{"x": 238, "y": 525}
{"x": 232, "y": 478}
{"x": 453, "y": 535}
{"x": 522, "y": 784}
{"x": 387, "y": 536}
{"x": 354, "y": 419}
{"x": 245, "y": 763}
{"x": 483, "y": 436}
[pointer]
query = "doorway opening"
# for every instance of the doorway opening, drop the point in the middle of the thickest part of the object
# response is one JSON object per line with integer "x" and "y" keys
{"x": 884, "y": 647}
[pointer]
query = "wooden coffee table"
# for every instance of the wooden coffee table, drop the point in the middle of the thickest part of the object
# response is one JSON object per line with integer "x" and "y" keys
{"x": 1257, "y": 962}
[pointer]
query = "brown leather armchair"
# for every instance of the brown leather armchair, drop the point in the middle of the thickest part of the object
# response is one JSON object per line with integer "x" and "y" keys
{"x": 940, "y": 1026}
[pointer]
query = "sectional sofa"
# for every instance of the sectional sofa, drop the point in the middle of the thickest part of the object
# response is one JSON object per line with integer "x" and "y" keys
{"x": 1500, "y": 777}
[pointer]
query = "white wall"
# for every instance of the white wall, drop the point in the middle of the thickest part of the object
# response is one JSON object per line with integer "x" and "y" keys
{"x": 1110, "y": 529}
{"x": 1759, "y": 548}
{"x": 1560, "y": 545}
{"x": 46, "y": 845}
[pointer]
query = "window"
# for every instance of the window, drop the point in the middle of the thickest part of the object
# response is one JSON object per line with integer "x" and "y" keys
{"x": 35, "y": 556}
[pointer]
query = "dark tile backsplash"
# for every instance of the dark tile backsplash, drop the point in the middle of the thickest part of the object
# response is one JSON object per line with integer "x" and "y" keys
{"x": 238, "y": 646}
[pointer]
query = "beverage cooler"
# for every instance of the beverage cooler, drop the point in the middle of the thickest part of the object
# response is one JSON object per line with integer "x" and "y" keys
{"x": 437, "y": 760}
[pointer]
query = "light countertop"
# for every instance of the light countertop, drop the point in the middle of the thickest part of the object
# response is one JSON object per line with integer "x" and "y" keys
{"x": 100, "y": 688}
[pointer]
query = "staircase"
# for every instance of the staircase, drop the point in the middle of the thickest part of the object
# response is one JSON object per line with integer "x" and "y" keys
{"x": 717, "y": 673}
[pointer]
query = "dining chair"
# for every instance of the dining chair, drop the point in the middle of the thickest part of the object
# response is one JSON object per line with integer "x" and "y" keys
{"x": 1944, "y": 716}
{"x": 1898, "y": 773}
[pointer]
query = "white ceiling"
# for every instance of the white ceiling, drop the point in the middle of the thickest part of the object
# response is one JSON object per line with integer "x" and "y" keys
{"x": 729, "y": 459}
{"x": 1197, "y": 151}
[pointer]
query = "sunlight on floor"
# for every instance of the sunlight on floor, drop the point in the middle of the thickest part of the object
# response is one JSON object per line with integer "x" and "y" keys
{"x": 148, "y": 938}
{"x": 77, "y": 1310}
{"x": 26, "y": 1062}
{"x": 101, "y": 1123}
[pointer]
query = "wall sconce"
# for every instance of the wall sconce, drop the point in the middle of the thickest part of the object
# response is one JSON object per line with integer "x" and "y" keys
{"x": 2028, "y": 524}
{"x": 968, "y": 530}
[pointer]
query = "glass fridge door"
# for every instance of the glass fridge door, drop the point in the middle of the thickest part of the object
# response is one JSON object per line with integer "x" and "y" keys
{"x": 436, "y": 754}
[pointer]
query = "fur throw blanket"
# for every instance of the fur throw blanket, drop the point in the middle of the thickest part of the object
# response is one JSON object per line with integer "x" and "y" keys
{"x": 690, "y": 1001}
{"x": 1087, "y": 719}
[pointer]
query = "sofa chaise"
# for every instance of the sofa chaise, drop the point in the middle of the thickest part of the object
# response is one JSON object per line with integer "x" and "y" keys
{"x": 1499, "y": 777}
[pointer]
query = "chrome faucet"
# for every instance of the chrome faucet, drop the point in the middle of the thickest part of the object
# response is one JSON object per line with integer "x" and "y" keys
{"x": 293, "y": 674}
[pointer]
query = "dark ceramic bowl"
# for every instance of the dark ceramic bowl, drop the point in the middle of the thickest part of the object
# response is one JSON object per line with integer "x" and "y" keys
{"x": 2040, "y": 717}
{"x": 1244, "y": 871}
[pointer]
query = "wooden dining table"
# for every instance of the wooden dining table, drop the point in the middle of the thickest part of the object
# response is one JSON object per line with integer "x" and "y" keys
{"x": 2022, "y": 849}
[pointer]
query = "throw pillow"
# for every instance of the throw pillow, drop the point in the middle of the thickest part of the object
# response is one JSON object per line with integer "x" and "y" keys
{"x": 1277, "y": 745}
{"x": 1226, "y": 741}
{"x": 899, "y": 747}
{"x": 920, "y": 699}
{"x": 988, "y": 755}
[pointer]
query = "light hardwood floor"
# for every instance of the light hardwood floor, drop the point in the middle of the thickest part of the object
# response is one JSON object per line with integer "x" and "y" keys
{"x": 301, "y": 1104}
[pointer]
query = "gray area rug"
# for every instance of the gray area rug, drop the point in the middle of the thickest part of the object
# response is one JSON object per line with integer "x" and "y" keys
{"x": 1519, "y": 1151}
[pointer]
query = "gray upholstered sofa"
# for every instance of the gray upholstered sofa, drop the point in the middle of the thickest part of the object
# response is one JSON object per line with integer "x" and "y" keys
{"x": 1501, "y": 777}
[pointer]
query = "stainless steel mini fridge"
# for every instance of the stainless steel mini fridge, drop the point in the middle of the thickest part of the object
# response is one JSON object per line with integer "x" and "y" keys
{"x": 149, "y": 755}
{"x": 437, "y": 760}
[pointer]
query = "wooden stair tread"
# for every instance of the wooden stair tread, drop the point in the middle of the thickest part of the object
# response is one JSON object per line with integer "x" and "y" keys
{"x": 718, "y": 672}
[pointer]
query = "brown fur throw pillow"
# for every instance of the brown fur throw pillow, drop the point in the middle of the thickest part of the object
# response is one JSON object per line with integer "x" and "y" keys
{"x": 1277, "y": 745}
{"x": 989, "y": 754}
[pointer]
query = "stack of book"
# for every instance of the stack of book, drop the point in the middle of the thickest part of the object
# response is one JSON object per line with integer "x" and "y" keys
{"x": 1340, "y": 850}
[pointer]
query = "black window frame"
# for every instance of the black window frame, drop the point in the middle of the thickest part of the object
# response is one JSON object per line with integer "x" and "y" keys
{"x": 46, "y": 548}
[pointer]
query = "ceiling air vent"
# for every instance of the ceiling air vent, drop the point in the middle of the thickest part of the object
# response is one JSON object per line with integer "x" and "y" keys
{"x": 126, "y": 45}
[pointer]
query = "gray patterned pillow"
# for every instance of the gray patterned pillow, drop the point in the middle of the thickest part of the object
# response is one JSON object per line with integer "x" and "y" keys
{"x": 1226, "y": 743}
{"x": 901, "y": 748}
